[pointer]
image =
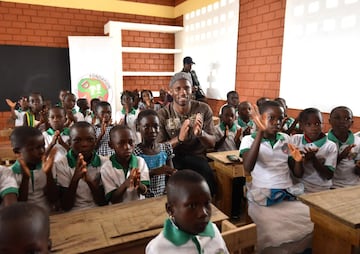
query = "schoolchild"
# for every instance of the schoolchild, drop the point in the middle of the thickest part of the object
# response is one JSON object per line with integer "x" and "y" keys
{"x": 188, "y": 228}
{"x": 125, "y": 175}
{"x": 158, "y": 156}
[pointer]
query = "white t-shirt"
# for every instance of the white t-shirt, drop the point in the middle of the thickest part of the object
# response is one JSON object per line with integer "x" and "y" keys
{"x": 311, "y": 179}
{"x": 37, "y": 184}
{"x": 113, "y": 175}
{"x": 271, "y": 170}
{"x": 19, "y": 121}
{"x": 344, "y": 174}
{"x": 60, "y": 150}
{"x": 64, "y": 170}
{"x": 7, "y": 182}
{"x": 130, "y": 120}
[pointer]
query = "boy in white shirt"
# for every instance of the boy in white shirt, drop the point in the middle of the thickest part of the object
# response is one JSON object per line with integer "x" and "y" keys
{"x": 188, "y": 229}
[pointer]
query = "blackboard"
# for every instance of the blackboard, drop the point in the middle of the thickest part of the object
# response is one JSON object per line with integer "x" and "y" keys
{"x": 26, "y": 69}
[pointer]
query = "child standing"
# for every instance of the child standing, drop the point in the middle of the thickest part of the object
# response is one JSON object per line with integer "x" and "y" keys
{"x": 188, "y": 229}
{"x": 57, "y": 135}
{"x": 128, "y": 114}
{"x": 232, "y": 99}
{"x": 244, "y": 120}
{"x": 147, "y": 101}
{"x": 92, "y": 118}
{"x": 125, "y": 176}
{"x": 18, "y": 114}
{"x": 227, "y": 133}
{"x": 78, "y": 173}
{"x": 347, "y": 170}
{"x": 103, "y": 112}
{"x": 320, "y": 154}
{"x": 32, "y": 170}
{"x": 156, "y": 155}
{"x": 266, "y": 156}
{"x": 24, "y": 228}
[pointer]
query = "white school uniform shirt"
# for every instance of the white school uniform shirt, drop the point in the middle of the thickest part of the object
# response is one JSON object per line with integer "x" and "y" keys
{"x": 7, "y": 182}
{"x": 245, "y": 125}
{"x": 79, "y": 116}
{"x": 311, "y": 179}
{"x": 37, "y": 184}
{"x": 173, "y": 240}
{"x": 229, "y": 143}
{"x": 271, "y": 170}
{"x": 131, "y": 119}
{"x": 60, "y": 150}
{"x": 64, "y": 170}
{"x": 113, "y": 175}
{"x": 344, "y": 174}
{"x": 19, "y": 121}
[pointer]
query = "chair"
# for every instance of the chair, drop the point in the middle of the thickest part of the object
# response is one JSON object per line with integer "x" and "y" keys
{"x": 239, "y": 239}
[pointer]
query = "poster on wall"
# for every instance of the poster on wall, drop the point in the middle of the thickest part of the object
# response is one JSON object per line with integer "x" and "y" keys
{"x": 91, "y": 67}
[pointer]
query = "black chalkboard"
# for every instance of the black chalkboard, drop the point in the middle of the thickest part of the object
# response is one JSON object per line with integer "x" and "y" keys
{"x": 25, "y": 69}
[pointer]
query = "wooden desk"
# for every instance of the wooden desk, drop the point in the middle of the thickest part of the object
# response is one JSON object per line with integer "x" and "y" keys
{"x": 231, "y": 180}
{"x": 336, "y": 215}
{"x": 110, "y": 229}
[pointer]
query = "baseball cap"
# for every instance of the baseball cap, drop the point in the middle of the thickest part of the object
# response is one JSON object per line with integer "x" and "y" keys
{"x": 188, "y": 60}
{"x": 179, "y": 76}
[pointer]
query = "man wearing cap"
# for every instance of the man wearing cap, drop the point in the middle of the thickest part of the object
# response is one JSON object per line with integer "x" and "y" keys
{"x": 187, "y": 124}
{"x": 197, "y": 91}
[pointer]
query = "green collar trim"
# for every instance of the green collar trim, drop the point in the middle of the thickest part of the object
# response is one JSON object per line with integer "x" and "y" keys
{"x": 71, "y": 158}
{"x": 179, "y": 237}
{"x": 278, "y": 137}
{"x": 223, "y": 127}
{"x": 244, "y": 124}
{"x": 318, "y": 143}
{"x": 74, "y": 111}
{"x": 65, "y": 131}
{"x": 350, "y": 140}
{"x": 16, "y": 167}
{"x": 132, "y": 111}
{"x": 133, "y": 163}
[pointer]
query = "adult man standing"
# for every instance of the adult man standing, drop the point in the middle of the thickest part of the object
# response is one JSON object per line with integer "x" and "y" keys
{"x": 187, "y": 124}
{"x": 198, "y": 93}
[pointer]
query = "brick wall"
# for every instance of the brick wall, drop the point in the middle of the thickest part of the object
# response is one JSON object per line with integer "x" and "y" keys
{"x": 261, "y": 27}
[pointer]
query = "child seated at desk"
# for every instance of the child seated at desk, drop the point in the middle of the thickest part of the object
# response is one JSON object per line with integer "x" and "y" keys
{"x": 24, "y": 228}
{"x": 78, "y": 173}
{"x": 72, "y": 114}
{"x": 125, "y": 176}
{"x": 283, "y": 224}
{"x": 32, "y": 170}
{"x": 227, "y": 133}
{"x": 57, "y": 135}
{"x": 244, "y": 120}
{"x": 320, "y": 154}
{"x": 188, "y": 228}
{"x": 347, "y": 170}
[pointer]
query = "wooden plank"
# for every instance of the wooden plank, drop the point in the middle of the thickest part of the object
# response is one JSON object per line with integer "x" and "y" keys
{"x": 112, "y": 227}
{"x": 341, "y": 204}
{"x": 240, "y": 238}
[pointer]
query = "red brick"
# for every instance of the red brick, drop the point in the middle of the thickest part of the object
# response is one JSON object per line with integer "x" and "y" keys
{"x": 13, "y": 30}
{"x": 29, "y": 12}
{"x": 24, "y": 18}
{"x": 4, "y": 9}
{"x": 11, "y": 17}
{"x": 5, "y": 37}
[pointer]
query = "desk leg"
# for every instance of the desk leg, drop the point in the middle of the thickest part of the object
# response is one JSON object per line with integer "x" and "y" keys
{"x": 326, "y": 242}
{"x": 237, "y": 195}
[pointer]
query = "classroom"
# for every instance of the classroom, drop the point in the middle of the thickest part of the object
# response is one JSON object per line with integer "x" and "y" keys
{"x": 252, "y": 65}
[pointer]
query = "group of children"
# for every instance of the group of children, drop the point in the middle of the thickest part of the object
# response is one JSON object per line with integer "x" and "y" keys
{"x": 67, "y": 163}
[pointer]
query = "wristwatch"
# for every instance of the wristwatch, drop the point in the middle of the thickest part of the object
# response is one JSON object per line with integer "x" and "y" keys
{"x": 180, "y": 141}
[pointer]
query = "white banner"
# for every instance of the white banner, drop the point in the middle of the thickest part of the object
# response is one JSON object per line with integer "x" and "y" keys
{"x": 92, "y": 68}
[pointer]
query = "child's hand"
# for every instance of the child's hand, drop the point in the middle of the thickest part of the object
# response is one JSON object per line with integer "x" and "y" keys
{"x": 103, "y": 127}
{"x": 24, "y": 168}
{"x": 295, "y": 153}
{"x": 169, "y": 171}
{"x": 345, "y": 153}
{"x": 48, "y": 161}
{"x": 63, "y": 143}
{"x": 43, "y": 116}
{"x": 226, "y": 132}
{"x": 80, "y": 169}
{"x": 310, "y": 153}
{"x": 135, "y": 178}
{"x": 247, "y": 131}
{"x": 70, "y": 115}
{"x": 357, "y": 164}
{"x": 184, "y": 130}
{"x": 198, "y": 124}
{"x": 10, "y": 103}
{"x": 261, "y": 121}
{"x": 238, "y": 134}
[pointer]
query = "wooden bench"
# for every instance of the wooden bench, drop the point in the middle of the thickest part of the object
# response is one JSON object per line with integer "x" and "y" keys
{"x": 239, "y": 239}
